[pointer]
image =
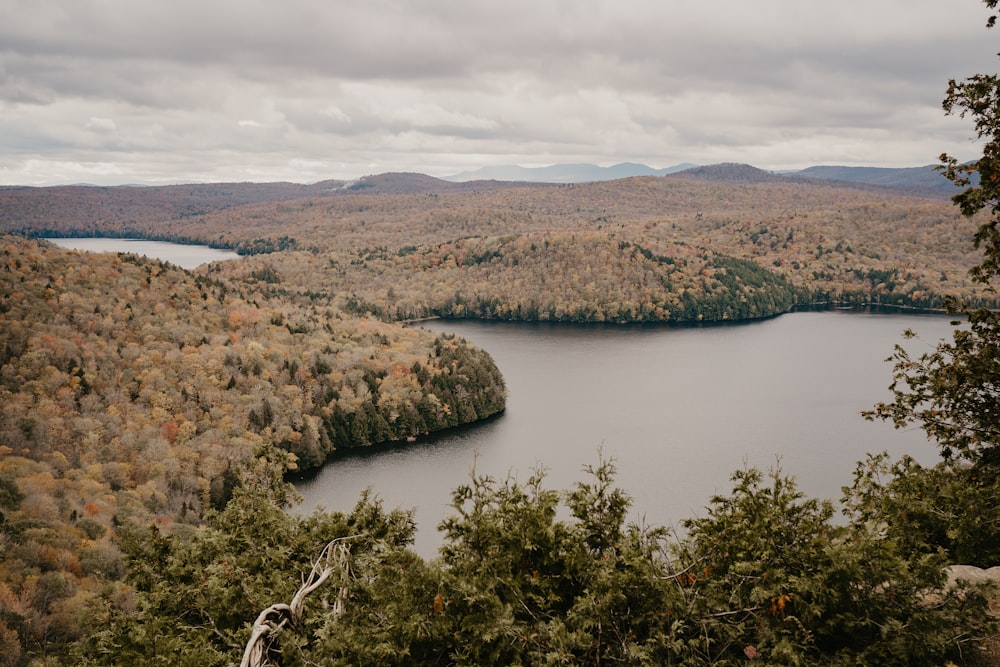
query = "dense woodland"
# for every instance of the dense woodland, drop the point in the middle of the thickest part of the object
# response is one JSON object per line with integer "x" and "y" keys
{"x": 578, "y": 277}
{"x": 637, "y": 249}
{"x": 133, "y": 391}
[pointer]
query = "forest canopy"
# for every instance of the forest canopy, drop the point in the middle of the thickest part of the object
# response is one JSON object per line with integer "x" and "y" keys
{"x": 132, "y": 391}
{"x": 813, "y": 242}
{"x": 150, "y": 413}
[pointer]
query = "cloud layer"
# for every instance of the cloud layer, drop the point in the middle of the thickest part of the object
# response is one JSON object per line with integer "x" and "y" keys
{"x": 110, "y": 92}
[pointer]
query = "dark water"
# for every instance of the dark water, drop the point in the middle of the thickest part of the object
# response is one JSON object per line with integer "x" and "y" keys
{"x": 184, "y": 256}
{"x": 678, "y": 409}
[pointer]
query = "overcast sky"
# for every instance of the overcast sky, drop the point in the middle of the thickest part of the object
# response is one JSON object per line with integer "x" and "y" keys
{"x": 138, "y": 91}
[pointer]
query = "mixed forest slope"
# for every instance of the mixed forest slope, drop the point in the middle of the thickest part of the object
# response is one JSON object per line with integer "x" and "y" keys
{"x": 105, "y": 211}
{"x": 543, "y": 276}
{"x": 134, "y": 391}
{"x": 830, "y": 241}
{"x": 147, "y": 341}
{"x": 927, "y": 178}
{"x": 83, "y": 210}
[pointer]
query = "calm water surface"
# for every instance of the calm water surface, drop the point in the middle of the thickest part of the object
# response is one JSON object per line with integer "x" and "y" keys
{"x": 679, "y": 409}
{"x": 184, "y": 256}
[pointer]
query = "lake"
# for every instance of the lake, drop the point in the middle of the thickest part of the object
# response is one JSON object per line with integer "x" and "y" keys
{"x": 678, "y": 409}
{"x": 184, "y": 256}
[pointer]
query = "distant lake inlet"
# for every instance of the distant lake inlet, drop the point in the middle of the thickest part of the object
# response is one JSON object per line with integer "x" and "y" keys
{"x": 184, "y": 256}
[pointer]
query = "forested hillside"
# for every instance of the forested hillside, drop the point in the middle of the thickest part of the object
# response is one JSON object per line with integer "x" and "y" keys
{"x": 828, "y": 241}
{"x": 559, "y": 277}
{"x": 109, "y": 211}
{"x": 134, "y": 391}
{"x": 147, "y": 415}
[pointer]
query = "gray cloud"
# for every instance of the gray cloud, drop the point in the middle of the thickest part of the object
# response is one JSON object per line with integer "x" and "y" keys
{"x": 304, "y": 90}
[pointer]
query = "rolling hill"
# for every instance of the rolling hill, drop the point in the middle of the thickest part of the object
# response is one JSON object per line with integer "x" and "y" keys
{"x": 564, "y": 173}
{"x": 924, "y": 178}
{"x": 831, "y": 239}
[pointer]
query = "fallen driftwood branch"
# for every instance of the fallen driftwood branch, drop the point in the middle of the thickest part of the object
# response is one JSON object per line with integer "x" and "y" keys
{"x": 335, "y": 557}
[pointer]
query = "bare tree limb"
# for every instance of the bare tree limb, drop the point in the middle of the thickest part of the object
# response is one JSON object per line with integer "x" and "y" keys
{"x": 335, "y": 557}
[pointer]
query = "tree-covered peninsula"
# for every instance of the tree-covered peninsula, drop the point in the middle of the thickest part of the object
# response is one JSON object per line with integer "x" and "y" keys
{"x": 134, "y": 391}
{"x": 554, "y": 277}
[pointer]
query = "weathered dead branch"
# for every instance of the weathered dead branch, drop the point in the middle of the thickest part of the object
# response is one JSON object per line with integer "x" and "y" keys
{"x": 335, "y": 557}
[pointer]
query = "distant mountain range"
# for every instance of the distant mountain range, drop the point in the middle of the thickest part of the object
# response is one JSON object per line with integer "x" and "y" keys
{"x": 564, "y": 173}
{"x": 81, "y": 206}
{"x": 401, "y": 183}
{"x": 926, "y": 178}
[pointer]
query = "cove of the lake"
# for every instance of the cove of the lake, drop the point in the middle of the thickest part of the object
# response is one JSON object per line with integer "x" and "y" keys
{"x": 678, "y": 409}
{"x": 183, "y": 255}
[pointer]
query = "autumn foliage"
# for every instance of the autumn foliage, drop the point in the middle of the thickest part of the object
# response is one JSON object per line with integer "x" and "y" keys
{"x": 408, "y": 246}
{"x": 133, "y": 391}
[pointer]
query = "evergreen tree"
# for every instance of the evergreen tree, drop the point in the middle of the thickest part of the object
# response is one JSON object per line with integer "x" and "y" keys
{"x": 953, "y": 392}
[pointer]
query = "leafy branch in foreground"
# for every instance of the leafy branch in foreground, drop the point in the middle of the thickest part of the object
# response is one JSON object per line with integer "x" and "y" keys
{"x": 953, "y": 392}
{"x": 533, "y": 576}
